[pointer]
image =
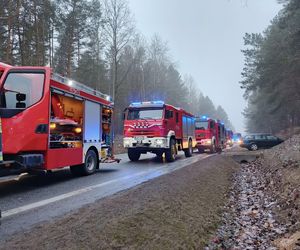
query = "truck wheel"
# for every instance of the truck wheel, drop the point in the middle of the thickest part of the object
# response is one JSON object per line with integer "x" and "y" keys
{"x": 89, "y": 166}
{"x": 171, "y": 152}
{"x": 253, "y": 147}
{"x": 133, "y": 154}
{"x": 188, "y": 152}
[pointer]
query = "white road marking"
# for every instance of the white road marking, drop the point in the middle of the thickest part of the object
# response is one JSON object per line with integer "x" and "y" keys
{"x": 41, "y": 203}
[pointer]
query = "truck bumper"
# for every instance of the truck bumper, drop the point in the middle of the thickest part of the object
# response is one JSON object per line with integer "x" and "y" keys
{"x": 20, "y": 164}
{"x": 204, "y": 144}
{"x": 144, "y": 142}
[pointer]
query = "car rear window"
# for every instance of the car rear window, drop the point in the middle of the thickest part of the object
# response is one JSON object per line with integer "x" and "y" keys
{"x": 260, "y": 137}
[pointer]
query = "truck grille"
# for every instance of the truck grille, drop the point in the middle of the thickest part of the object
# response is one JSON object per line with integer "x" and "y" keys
{"x": 201, "y": 135}
{"x": 144, "y": 132}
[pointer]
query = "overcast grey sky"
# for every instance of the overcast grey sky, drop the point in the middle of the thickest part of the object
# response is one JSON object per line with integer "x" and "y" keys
{"x": 205, "y": 39}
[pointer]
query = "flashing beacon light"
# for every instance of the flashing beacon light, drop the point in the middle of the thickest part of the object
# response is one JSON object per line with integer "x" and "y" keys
{"x": 149, "y": 102}
{"x": 136, "y": 103}
{"x": 158, "y": 102}
{"x": 204, "y": 117}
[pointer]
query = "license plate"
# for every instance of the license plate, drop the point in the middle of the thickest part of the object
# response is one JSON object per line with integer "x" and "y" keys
{"x": 139, "y": 138}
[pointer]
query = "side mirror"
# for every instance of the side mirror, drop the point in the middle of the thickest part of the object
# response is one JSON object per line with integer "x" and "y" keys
{"x": 20, "y": 97}
{"x": 20, "y": 105}
{"x": 20, "y": 101}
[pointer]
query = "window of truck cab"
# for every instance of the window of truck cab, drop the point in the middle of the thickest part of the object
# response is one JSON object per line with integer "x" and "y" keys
{"x": 145, "y": 114}
{"x": 30, "y": 83}
{"x": 201, "y": 125}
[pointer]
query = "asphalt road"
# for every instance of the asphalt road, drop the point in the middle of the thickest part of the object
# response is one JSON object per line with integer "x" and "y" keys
{"x": 34, "y": 199}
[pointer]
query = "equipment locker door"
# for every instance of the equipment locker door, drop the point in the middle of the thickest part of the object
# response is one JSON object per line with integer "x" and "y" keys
{"x": 92, "y": 123}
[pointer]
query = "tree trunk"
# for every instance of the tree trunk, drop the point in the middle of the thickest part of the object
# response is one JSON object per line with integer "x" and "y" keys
{"x": 9, "y": 35}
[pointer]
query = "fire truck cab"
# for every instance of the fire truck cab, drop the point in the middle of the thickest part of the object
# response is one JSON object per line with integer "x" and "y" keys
{"x": 50, "y": 122}
{"x": 222, "y": 133}
{"x": 158, "y": 128}
{"x": 208, "y": 134}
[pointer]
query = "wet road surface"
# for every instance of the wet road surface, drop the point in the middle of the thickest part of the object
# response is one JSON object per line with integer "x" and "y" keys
{"x": 34, "y": 199}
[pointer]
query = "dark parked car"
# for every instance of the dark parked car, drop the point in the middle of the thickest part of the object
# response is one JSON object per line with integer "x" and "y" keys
{"x": 256, "y": 141}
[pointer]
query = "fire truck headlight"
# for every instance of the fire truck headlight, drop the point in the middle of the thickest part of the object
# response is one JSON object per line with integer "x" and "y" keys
{"x": 159, "y": 141}
{"x": 206, "y": 141}
{"x": 52, "y": 126}
{"x": 126, "y": 142}
{"x": 77, "y": 130}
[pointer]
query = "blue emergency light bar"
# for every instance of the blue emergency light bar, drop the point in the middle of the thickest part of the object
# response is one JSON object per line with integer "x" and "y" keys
{"x": 144, "y": 103}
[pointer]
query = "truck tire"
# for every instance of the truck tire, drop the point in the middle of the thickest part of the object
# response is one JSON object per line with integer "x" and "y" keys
{"x": 171, "y": 151}
{"x": 89, "y": 167}
{"x": 188, "y": 152}
{"x": 133, "y": 154}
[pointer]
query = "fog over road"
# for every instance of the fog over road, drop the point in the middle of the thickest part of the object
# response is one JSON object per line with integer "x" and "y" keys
{"x": 35, "y": 199}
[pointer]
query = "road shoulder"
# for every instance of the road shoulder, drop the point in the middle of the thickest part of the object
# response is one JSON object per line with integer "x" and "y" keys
{"x": 178, "y": 210}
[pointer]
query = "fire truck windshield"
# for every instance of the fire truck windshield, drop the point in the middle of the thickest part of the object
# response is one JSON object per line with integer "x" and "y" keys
{"x": 22, "y": 90}
{"x": 145, "y": 114}
{"x": 201, "y": 125}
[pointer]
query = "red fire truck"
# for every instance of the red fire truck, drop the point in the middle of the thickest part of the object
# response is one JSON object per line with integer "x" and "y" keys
{"x": 210, "y": 134}
{"x": 222, "y": 133}
{"x": 158, "y": 128}
{"x": 50, "y": 122}
{"x": 229, "y": 139}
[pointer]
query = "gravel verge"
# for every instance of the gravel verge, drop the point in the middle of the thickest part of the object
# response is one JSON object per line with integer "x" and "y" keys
{"x": 263, "y": 207}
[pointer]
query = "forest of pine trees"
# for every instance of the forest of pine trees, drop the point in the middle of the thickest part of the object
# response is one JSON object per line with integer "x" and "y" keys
{"x": 95, "y": 42}
{"x": 271, "y": 76}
